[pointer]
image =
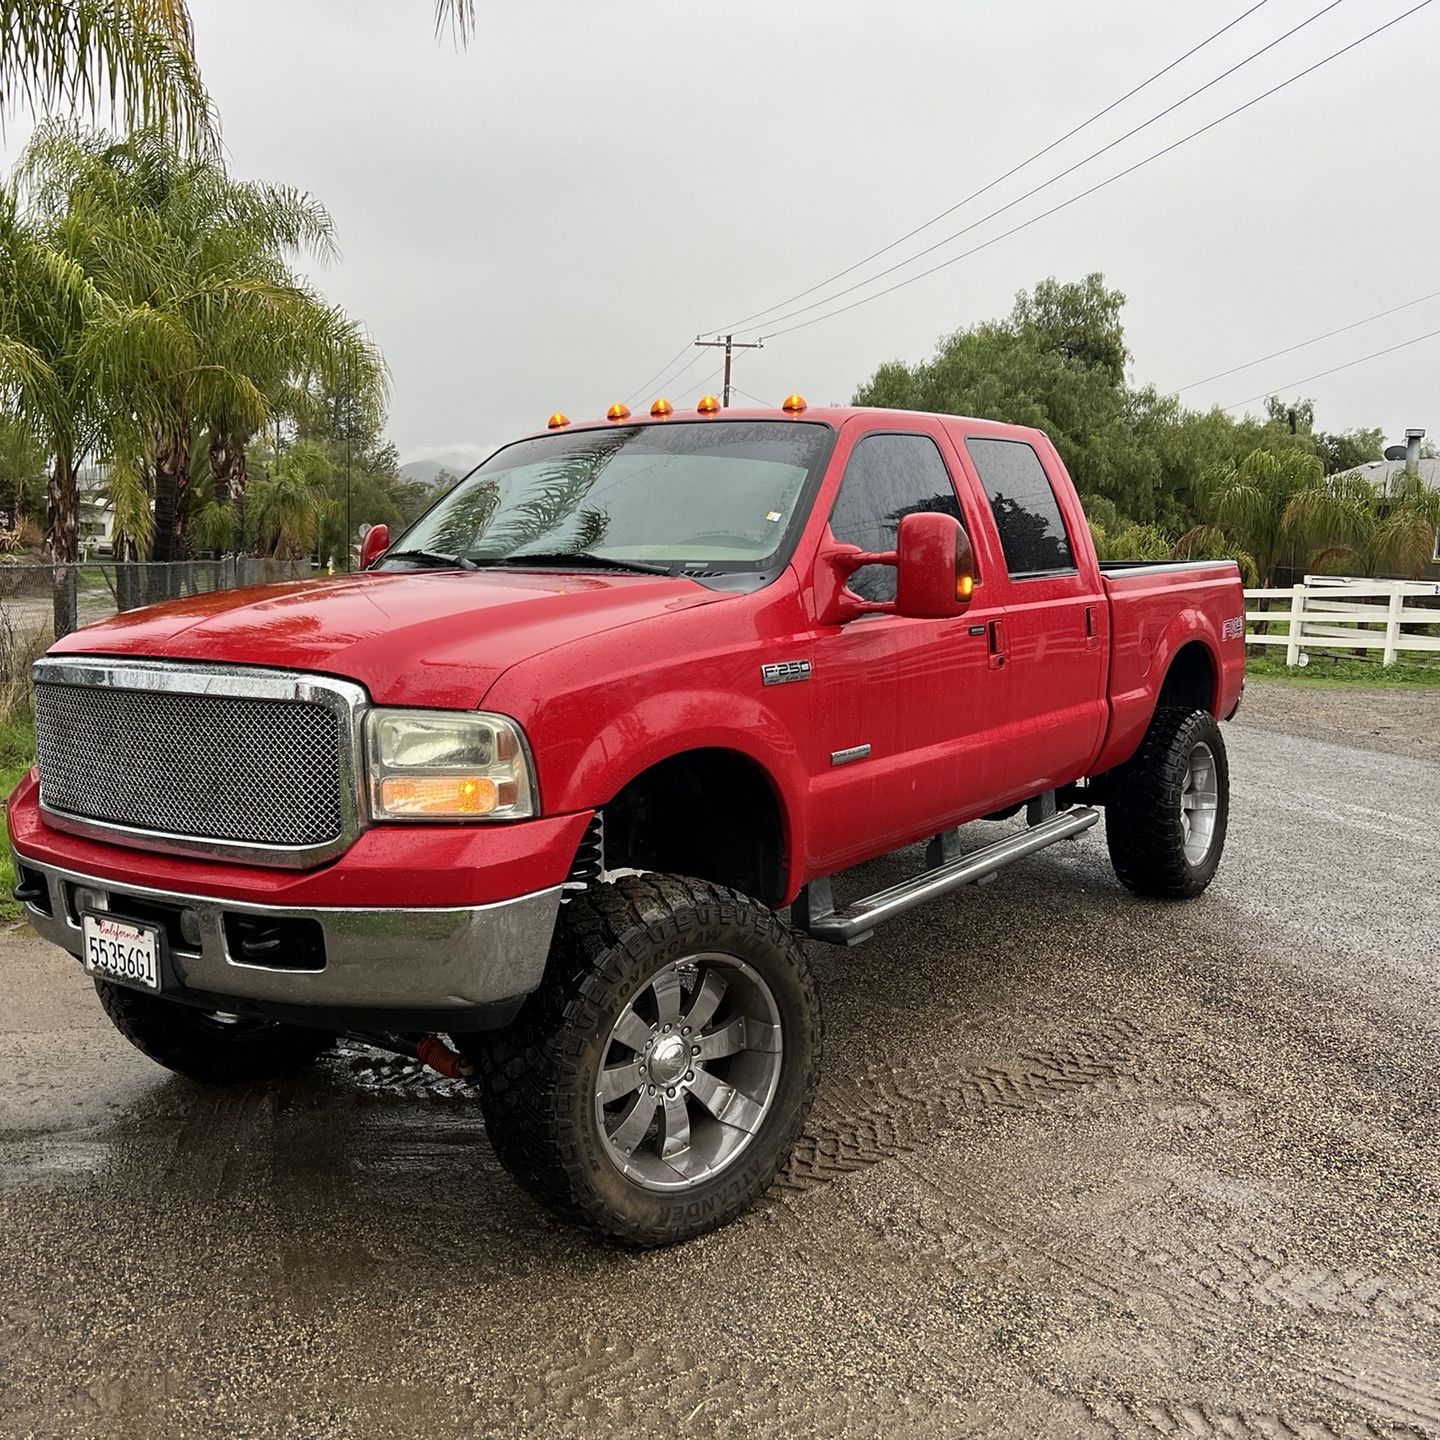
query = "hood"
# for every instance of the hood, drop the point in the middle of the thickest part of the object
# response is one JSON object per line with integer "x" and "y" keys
{"x": 416, "y": 638}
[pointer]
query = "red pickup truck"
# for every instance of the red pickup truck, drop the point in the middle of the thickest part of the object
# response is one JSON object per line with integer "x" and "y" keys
{"x": 551, "y": 793}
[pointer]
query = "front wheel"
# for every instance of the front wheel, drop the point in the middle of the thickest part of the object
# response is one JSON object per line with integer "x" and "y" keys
{"x": 1168, "y": 807}
{"x": 655, "y": 1083}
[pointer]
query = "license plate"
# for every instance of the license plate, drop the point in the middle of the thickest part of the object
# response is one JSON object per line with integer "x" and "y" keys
{"x": 117, "y": 950}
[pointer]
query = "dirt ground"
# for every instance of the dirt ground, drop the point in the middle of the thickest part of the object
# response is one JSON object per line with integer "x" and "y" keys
{"x": 1080, "y": 1165}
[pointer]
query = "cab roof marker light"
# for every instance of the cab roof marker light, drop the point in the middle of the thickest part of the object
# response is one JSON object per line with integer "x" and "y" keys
{"x": 662, "y": 407}
{"x": 708, "y": 405}
{"x": 558, "y": 421}
{"x": 794, "y": 404}
{"x": 618, "y": 411}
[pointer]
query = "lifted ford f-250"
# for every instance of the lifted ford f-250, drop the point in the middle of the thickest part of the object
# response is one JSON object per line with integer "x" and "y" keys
{"x": 547, "y": 777}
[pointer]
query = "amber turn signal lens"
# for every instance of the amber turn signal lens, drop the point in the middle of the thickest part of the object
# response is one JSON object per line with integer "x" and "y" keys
{"x": 557, "y": 420}
{"x": 964, "y": 587}
{"x": 618, "y": 412}
{"x": 708, "y": 405}
{"x": 794, "y": 404}
{"x": 447, "y": 795}
{"x": 662, "y": 407}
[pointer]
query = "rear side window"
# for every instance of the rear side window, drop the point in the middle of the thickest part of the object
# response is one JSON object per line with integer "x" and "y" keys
{"x": 1027, "y": 514}
{"x": 888, "y": 476}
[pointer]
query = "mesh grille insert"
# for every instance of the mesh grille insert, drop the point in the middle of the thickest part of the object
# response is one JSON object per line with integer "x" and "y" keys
{"x": 266, "y": 772}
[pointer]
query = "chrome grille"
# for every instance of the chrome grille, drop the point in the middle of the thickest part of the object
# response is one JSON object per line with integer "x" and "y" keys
{"x": 236, "y": 770}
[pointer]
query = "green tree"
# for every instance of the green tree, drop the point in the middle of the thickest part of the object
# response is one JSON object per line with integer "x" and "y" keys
{"x": 206, "y": 332}
{"x": 1251, "y": 506}
{"x": 1344, "y": 450}
{"x": 290, "y": 500}
{"x": 77, "y": 55}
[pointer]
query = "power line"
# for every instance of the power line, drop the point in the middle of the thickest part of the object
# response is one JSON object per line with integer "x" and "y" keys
{"x": 1101, "y": 184}
{"x": 1000, "y": 179}
{"x": 1070, "y": 170}
{"x": 765, "y": 403}
{"x": 1334, "y": 369}
{"x": 641, "y": 389}
{"x": 1314, "y": 340}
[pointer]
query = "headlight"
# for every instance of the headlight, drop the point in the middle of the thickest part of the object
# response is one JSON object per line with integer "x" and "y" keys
{"x": 443, "y": 765}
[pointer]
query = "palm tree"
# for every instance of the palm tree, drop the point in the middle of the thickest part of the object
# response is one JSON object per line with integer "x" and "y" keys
{"x": 206, "y": 327}
{"x": 137, "y": 55}
{"x": 289, "y": 500}
{"x": 52, "y": 325}
{"x": 1358, "y": 526}
{"x": 1249, "y": 508}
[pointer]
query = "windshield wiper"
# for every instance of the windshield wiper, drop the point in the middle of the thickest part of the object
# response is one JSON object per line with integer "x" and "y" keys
{"x": 435, "y": 557}
{"x": 585, "y": 557}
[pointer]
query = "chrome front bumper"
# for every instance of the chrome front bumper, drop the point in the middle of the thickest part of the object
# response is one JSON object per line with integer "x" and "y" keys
{"x": 387, "y": 961}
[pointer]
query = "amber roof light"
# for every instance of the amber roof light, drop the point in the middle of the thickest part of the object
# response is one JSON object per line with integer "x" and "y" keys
{"x": 618, "y": 412}
{"x": 794, "y": 404}
{"x": 662, "y": 407}
{"x": 708, "y": 405}
{"x": 558, "y": 421}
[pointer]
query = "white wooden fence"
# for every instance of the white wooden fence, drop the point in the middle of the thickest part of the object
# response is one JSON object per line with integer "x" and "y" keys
{"x": 1335, "y": 613}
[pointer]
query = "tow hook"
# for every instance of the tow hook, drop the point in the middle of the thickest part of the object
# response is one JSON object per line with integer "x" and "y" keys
{"x": 430, "y": 1050}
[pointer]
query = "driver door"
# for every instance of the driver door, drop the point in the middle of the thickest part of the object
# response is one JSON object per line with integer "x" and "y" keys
{"x": 906, "y": 742}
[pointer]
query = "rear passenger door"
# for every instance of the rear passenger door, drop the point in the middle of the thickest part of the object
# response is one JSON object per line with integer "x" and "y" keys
{"x": 1055, "y": 641}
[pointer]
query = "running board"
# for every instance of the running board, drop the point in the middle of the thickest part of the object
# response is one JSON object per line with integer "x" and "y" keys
{"x": 815, "y": 914}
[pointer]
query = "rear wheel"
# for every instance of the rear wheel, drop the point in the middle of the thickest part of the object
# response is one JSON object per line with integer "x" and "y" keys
{"x": 657, "y": 1080}
{"x": 212, "y": 1046}
{"x": 1169, "y": 806}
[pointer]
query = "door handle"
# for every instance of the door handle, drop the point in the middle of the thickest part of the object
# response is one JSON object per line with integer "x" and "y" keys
{"x": 997, "y": 645}
{"x": 1092, "y": 639}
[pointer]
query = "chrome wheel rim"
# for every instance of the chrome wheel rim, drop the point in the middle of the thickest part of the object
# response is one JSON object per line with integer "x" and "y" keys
{"x": 1199, "y": 803}
{"x": 689, "y": 1072}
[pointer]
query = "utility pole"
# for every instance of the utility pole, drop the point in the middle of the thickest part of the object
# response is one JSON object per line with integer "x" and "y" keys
{"x": 729, "y": 343}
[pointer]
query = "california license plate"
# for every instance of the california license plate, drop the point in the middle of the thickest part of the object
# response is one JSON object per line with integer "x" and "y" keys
{"x": 118, "y": 950}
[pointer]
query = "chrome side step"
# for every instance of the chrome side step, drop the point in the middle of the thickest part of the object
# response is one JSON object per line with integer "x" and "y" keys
{"x": 814, "y": 911}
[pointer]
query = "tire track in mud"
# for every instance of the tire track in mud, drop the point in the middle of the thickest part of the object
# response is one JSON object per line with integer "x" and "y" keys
{"x": 1236, "y": 1270}
{"x": 1205, "y": 1421}
{"x": 874, "y": 1112}
{"x": 612, "y": 1383}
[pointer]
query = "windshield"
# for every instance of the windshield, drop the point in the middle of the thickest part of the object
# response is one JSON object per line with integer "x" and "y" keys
{"x": 715, "y": 494}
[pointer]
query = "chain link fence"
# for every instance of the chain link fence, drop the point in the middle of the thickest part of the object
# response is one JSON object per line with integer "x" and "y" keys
{"x": 38, "y": 603}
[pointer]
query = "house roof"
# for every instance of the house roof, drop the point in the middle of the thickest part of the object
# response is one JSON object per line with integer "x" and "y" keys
{"x": 1378, "y": 472}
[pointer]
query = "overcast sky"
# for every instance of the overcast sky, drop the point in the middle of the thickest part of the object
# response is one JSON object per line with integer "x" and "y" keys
{"x": 543, "y": 220}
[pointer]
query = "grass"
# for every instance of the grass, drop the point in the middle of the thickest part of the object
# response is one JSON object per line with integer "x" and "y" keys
{"x": 1327, "y": 670}
{"x": 17, "y": 754}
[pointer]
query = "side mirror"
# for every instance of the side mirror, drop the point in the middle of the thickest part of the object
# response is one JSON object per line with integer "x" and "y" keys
{"x": 934, "y": 566}
{"x": 374, "y": 545}
{"x": 934, "y": 572}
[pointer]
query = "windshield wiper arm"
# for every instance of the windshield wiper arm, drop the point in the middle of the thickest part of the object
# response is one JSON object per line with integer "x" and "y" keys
{"x": 437, "y": 557}
{"x": 586, "y": 557}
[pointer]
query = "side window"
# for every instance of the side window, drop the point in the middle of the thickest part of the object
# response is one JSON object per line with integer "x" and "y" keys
{"x": 1027, "y": 515}
{"x": 888, "y": 476}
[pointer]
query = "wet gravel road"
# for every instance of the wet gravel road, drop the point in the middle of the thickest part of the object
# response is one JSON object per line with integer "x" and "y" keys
{"x": 1080, "y": 1165}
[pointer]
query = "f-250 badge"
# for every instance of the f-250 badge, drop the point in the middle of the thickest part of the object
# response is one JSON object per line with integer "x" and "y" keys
{"x": 785, "y": 672}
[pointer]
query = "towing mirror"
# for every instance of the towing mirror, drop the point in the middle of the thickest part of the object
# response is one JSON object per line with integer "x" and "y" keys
{"x": 374, "y": 545}
{"x": 934, "y": 565}
{"x": 934, "y": 572}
